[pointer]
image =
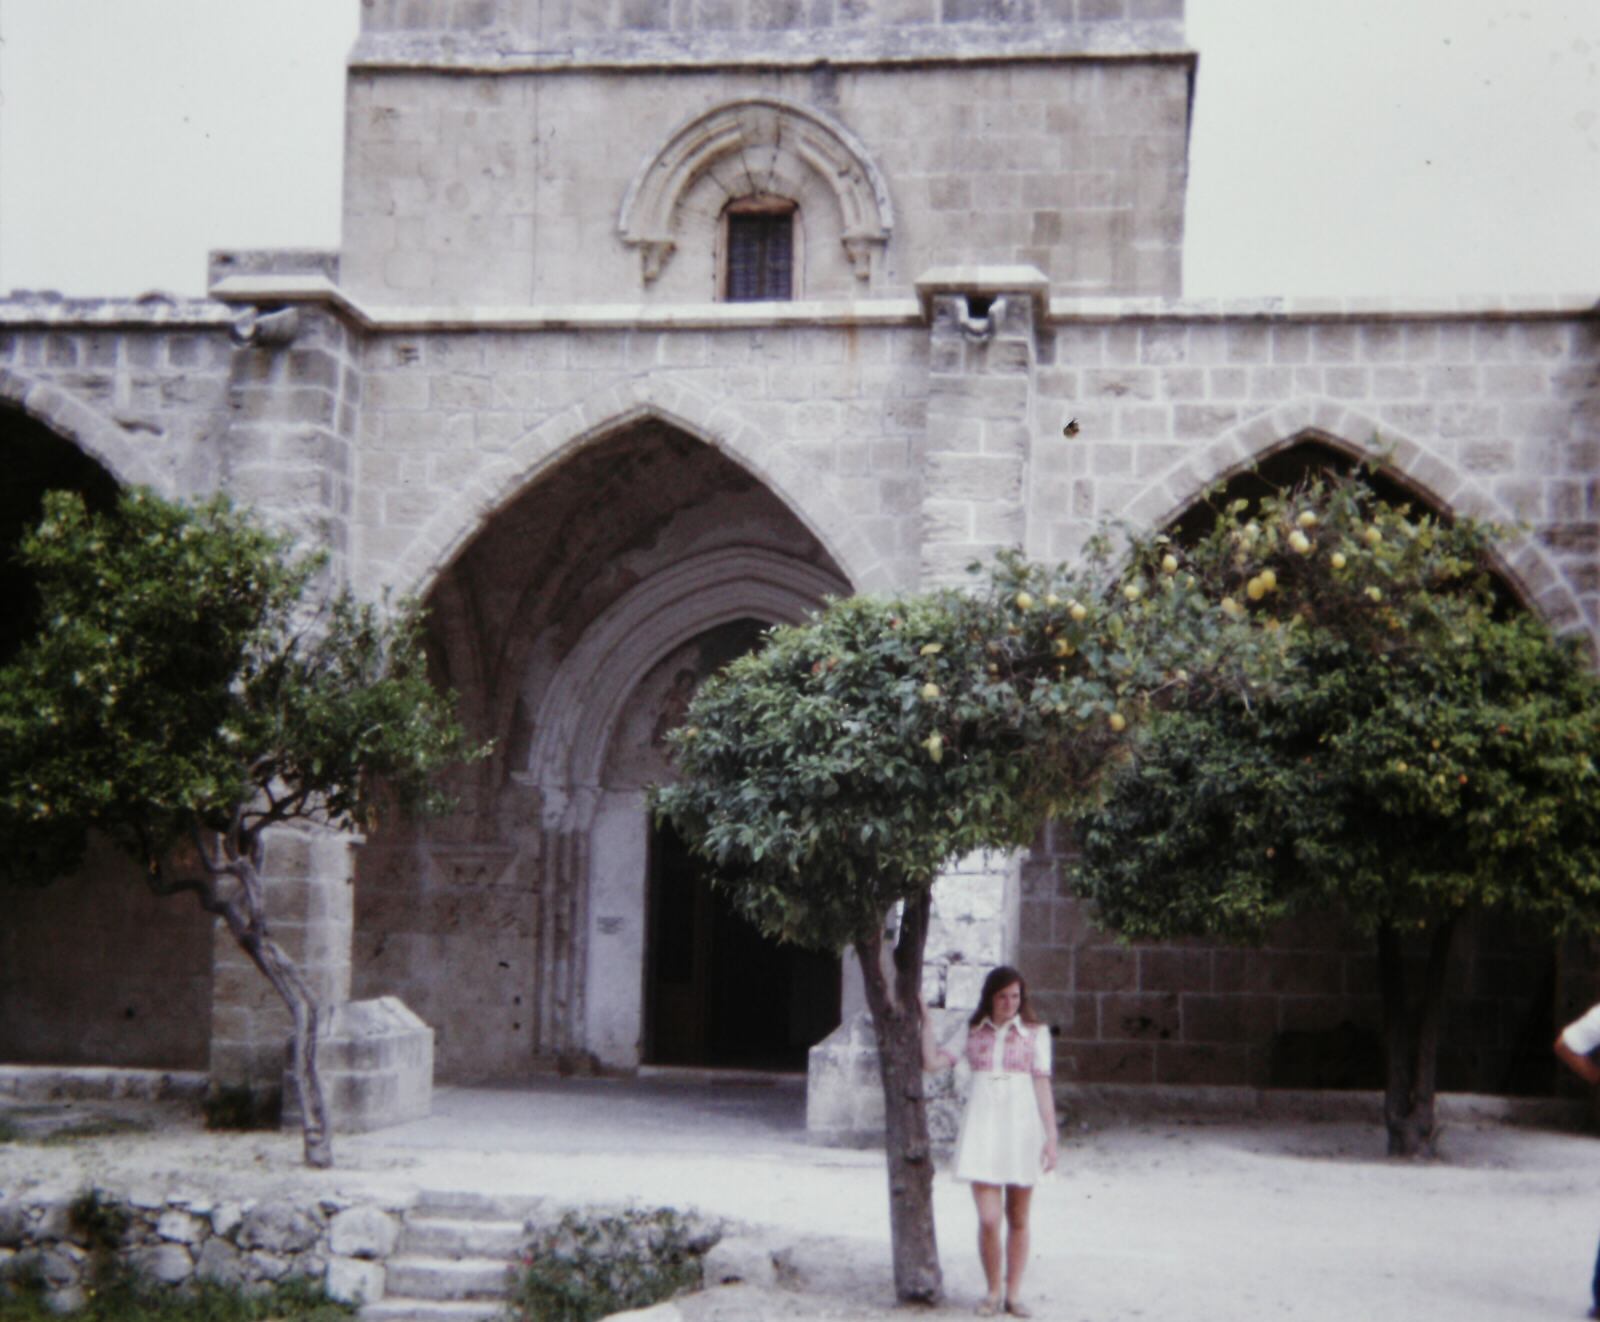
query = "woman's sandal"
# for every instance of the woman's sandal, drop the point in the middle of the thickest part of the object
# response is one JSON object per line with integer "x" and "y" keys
{"x": 989, "y": 1307}
{"x": 1018, "y": 1309}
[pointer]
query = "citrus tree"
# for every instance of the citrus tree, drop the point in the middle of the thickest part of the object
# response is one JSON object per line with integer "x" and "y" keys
{"x": 1416, "y": 747}
{"x": 188, "y": 687}
{"x": 831, "y": 775}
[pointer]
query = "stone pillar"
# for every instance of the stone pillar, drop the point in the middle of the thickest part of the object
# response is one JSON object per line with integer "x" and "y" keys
{"x": 975, "y": 458}
{"x": 307, "y": 874}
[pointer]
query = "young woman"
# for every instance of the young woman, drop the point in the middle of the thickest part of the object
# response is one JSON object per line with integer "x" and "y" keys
{"x": 1008, "y": 1133}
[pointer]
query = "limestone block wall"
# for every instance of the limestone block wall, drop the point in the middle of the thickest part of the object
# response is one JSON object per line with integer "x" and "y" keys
{"x": 830, "y": 418}
{"x": 96, "y": 969}
{"x": 1302, "y": 1010}
{"x": 141, "y": 386}
{"x": 1491, "y": 413}
{"x": 497, "y": 187}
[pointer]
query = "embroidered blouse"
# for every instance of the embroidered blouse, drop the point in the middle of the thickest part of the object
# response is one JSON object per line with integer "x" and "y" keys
{"x": 1024, "y": 1048}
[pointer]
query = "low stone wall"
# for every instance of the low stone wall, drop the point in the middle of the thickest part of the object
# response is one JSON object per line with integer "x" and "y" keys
{"x": 176, "y": 1238}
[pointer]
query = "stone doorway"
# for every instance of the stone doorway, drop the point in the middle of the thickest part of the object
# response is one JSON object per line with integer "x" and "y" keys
{"x": 717, "y": 992}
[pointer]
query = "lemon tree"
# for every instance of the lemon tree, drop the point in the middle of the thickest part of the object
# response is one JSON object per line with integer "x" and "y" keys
{"x": 1416, "y": 746}
{"x": 186, "y": 688}
{"x": 831, "y": 775}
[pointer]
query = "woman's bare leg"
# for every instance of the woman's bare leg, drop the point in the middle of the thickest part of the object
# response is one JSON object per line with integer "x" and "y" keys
{"x": 991, "y": 1215}
{"x": 1019, "y": 1198}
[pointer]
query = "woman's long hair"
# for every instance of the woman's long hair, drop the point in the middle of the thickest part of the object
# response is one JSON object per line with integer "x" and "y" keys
{"x": 997, "y": 981}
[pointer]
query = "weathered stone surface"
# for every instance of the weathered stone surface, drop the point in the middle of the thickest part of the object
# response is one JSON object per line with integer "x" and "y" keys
{"x": 739, "y": 1258}
{"x": 168, "y": 1263}
{"x": 278, "y": 1227}
{"x": 363, "y": 1232}
{"x": 181, "y": 1227}
{"x": 354, "y": 1280}
{"x": 11, "y": 1223}
{"x": 219, "y": 1260}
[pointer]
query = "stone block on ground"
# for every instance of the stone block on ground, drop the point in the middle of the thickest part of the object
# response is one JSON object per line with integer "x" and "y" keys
{"x": 376, "y": 1062}
{"x": 354, "y": 1281}
{"x": 739, "y": 1258}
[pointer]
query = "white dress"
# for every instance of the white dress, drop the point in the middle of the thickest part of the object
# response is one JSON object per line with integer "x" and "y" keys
{"x": 1002, "y": 1137}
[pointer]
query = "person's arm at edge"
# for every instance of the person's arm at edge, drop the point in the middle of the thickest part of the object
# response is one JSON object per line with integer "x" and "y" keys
{"x": 1046, "y": 1098}
{"x": 1580, "y": 1065}
{"x": 934, "y": 1057}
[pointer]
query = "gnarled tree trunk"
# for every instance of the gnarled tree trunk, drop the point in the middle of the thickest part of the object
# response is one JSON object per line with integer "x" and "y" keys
{"x": 243, "y": 908}
{"x": 897, "y": 1022}
{"x": 1411, "y": 1039}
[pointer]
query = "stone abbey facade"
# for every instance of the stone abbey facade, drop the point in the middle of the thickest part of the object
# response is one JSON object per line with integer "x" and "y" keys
{"x": 656, "y": 322}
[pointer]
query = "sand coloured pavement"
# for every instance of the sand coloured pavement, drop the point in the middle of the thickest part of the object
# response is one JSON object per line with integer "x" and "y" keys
{"x": 1210, "y": 1223}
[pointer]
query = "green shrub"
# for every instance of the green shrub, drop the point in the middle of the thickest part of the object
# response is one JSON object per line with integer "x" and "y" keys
{"x": 587, "y": 1268}
{"x": 119, "y": 1295}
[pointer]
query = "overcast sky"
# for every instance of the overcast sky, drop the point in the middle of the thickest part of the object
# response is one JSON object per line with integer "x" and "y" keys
{"x": 1339, "y": 146}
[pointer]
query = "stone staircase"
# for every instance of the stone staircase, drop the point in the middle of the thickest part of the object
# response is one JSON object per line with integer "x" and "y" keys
{"x": 453, "y": 1256}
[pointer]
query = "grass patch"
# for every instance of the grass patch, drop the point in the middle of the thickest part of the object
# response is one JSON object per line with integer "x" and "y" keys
{"x": 587, "y": 1268}
{"x": 120, "y": 1296}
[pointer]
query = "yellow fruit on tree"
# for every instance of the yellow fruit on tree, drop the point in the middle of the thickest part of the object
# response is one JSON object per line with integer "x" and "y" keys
{"x": 1024, "y": 601}
{"x": 1269, "y": 580}
{"x": 1169, "y": 563}
{"x": 1078, "y": 610}
{"x": 1308, "y": 519}
{"x": 1337, "y": 560}
{"x": 1255, "y": 589}
{"x": 1299, "y": 541}
{"x": 930, "y": 691}
{"x": 1372, "y": 536}
{"x": 1375, "y": 593}
{"x": 1119, "y": 722}
{"x": 1133, "y": 592}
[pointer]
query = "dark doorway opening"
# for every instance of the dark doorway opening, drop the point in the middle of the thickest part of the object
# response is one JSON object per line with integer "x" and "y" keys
{"x": 717, "y": 992}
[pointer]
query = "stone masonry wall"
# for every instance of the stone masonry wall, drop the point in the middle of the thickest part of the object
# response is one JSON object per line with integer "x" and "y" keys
{"x": 497, "y": 189}
{"x": 1303, "y": 1010}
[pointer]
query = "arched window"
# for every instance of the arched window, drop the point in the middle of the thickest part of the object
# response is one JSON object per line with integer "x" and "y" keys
{"x": 759, "y": 240}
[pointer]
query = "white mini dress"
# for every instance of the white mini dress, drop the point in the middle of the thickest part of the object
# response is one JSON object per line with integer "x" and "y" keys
{"x": 1002, "y": 1137}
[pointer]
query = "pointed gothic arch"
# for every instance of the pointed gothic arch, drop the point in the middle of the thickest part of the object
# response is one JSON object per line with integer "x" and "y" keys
{"x": 1523, "y": 562}
{"x": 718, "y": 423}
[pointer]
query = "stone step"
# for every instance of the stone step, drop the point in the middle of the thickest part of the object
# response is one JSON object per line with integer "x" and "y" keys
{"x": 446, "y": 1278}
{"x": 472, "y": 1205}
{"x": 431, "y": 1310}
{"x": 455, "y": 1237}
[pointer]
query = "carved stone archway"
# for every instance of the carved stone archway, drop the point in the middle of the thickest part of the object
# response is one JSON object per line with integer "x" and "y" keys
{"x": 772, "y": 141}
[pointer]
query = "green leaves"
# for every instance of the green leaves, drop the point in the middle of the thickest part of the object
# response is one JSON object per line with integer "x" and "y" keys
{"x": 1404, "y": 754}
{"x": 182, "y": 678}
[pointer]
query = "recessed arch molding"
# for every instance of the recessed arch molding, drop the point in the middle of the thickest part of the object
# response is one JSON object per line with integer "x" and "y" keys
{"x": 774, "y": 140}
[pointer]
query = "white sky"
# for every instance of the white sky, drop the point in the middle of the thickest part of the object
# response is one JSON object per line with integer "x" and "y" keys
{"x": 1339, "y": 146}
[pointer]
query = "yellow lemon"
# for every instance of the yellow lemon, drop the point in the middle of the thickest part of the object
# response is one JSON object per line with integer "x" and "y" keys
{"x": 1299, "y": 541}
{"x": 1119, "y": 722}
{"x": 930, "y": 691}
{"x": 1078, "y": 610}
{"x": 1169, "y": 563}
{"x": 1307, "y": 519}
{"x": 1337, "y": 560}
{"x": 1133, "y": 592}
{"x": 1372, "y": 536}
{"x": 1024, "y": 601}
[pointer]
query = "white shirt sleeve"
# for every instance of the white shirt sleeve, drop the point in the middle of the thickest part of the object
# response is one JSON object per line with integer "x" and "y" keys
{"x": 1041, "y": 1051}
{"x": 1583, "y": 1035}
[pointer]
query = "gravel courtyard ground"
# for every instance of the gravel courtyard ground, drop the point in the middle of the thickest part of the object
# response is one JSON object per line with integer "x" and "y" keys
{"x": 1208, "y": 1223}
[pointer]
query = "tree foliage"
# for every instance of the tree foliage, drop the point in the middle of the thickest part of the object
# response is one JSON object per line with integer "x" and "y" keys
{"x": 831, "y": 775}
{"x": 1415, "y": 747}
{"x": 190, "y": 686}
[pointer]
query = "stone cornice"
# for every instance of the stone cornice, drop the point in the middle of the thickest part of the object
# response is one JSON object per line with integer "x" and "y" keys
{"x": 498, "y": 51}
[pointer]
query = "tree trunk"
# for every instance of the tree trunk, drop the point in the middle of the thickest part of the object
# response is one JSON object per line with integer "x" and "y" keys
{"x": 897, "y": 1021}
{"x": 244, "y": 911}
{"x": 1411, "y": 1039}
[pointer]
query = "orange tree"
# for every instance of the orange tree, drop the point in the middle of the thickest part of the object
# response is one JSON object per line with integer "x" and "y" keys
{"x": 1418, "y": 747}
{"x": 185, "y": 690}
{"x": 830, "y": 776}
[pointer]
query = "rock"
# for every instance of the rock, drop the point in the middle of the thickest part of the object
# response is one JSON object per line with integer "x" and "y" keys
{"x": 180, "y": 1227}
{"x": 53, "y": 1220}
{"x": 278, "y": 1227}
{"x": 57, "y": 1270}
{"x": 220, "y": 1261}
{"x": 225, "y": 1218}
{"x": 363, "y": 1232}
{"x": 167, "y": 1263}
{"x": 267, "y": 1266}
{"x": 738, "y": 1258}
{"x": 69, "y": 1300}
{"x": 354, "y": 1281}
{"x": 11, "y": 1223}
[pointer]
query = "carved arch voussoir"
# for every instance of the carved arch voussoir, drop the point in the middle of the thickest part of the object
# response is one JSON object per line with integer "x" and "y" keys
{"x": 783, "y": 138}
